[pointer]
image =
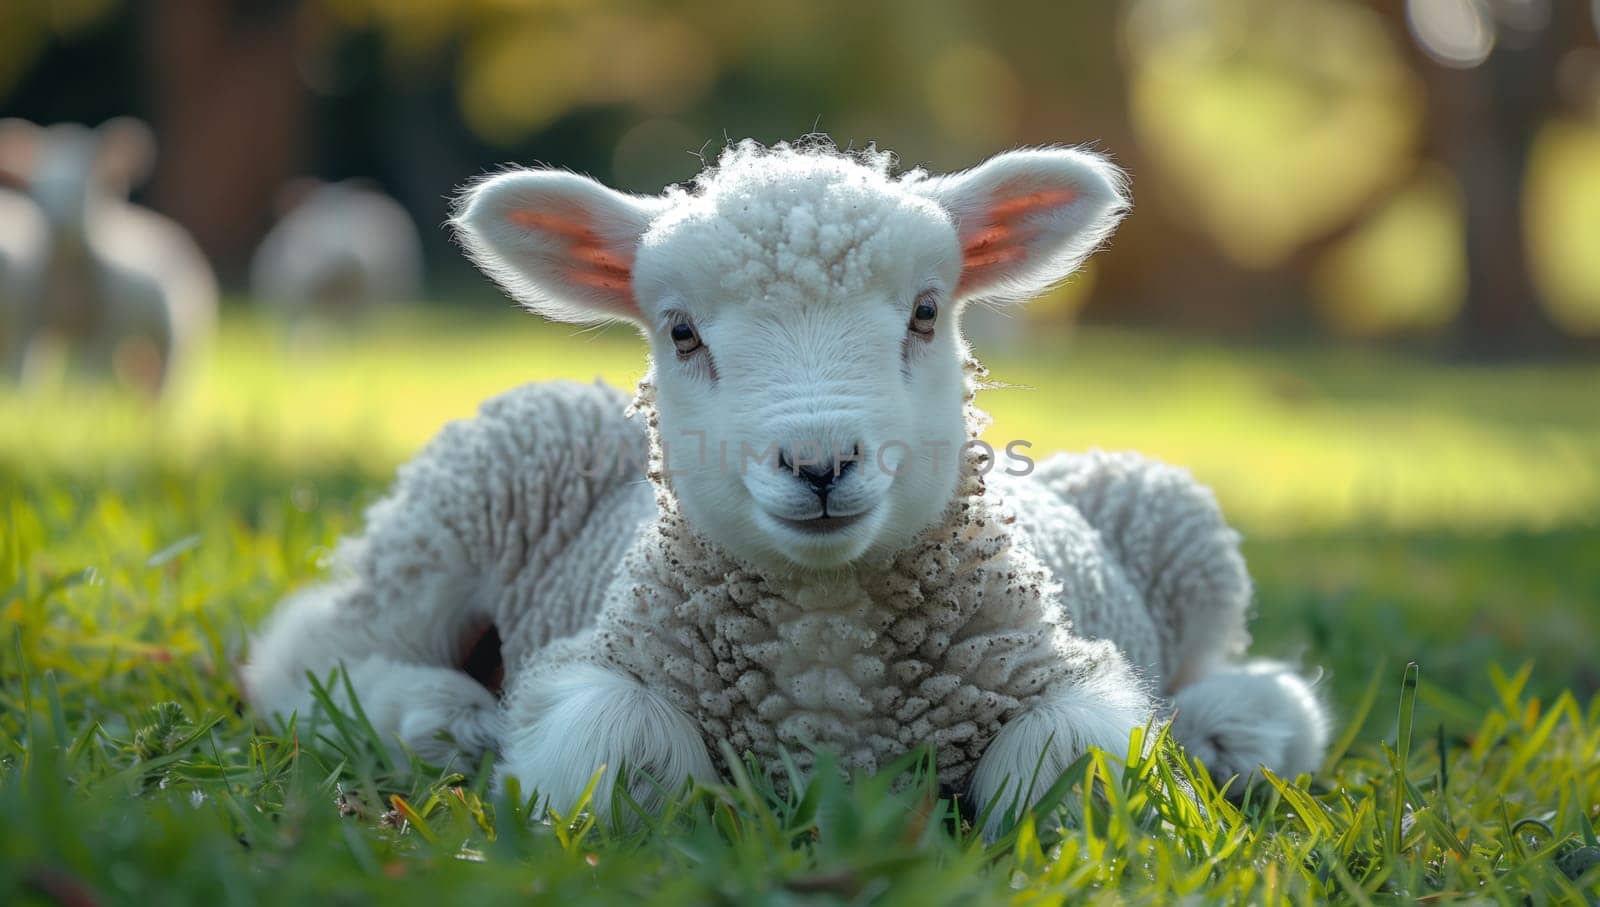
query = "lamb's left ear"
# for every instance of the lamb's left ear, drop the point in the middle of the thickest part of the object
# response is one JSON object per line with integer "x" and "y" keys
{"x": 561, "y": 244}
{"x": 1028, "y": 218}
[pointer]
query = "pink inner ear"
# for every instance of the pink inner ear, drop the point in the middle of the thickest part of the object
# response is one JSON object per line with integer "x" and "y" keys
{"x": 999, "y": 238}
{"x": 589, "y": 262}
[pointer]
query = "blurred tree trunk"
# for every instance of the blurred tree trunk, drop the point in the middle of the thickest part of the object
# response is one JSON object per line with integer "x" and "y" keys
{"x": 230, "y": 110}
{"x": 1485, "y": 122}
{"x": 1194, "y": 284}
{"x": 1482, "y": 122}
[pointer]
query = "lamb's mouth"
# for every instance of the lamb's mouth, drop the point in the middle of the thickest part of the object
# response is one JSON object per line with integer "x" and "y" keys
{"x": 822, "y": 525}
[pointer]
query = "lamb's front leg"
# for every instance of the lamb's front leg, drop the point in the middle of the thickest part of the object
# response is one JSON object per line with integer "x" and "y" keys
{"x": 414, "y": 698}
{"x": 1097, "y": 705}
{"x": 567, "y": 721}
{"x": 484, "y": 509}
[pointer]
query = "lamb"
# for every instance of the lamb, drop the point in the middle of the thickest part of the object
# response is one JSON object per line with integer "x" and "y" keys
{"x": 340, "y": 249}
{"x": 126, "y": 289}
{"x": 790, "y": 541}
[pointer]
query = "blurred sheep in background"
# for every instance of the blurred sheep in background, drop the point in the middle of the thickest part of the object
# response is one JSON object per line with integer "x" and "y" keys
{"x": 124, "y": 290}
{"x": 340, "y": 249}
{"x": 23, "y": 233}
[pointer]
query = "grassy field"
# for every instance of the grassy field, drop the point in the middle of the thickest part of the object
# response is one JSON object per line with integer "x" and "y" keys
{"x": 1395, "y": 511}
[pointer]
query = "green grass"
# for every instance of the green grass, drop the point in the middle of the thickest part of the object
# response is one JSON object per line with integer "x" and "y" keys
{"x": 1394, "y": 510}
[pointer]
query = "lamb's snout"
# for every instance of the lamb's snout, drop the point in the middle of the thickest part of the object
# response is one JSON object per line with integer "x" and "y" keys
{"x": 820, "y": 492}
{"x": 821, "y": 474}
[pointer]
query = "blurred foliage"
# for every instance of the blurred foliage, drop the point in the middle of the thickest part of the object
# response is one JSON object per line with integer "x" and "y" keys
{"x": 1274, "y": 120}
{"x": 1405, "y": 269}
{"x": 1564, "y": 214}
{"x": 27, "y": 28}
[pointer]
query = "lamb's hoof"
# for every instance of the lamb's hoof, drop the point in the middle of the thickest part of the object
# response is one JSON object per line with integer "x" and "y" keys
{"x": 1249, "y": 716}
{"x": 1235, "y": 756}
{"x": 453, "y": 726}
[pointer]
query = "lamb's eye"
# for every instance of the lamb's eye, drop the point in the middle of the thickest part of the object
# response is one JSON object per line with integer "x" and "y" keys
{"x": 685, "y": 338}
{"x": 924, "y": 314}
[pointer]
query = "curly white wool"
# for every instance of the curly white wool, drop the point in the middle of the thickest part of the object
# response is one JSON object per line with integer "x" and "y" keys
{"x": 764, "y": 216}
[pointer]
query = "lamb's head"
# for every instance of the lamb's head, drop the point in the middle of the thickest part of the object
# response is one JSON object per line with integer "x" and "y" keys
{"x": 802, "y": 309}
{"x": 68, "y": 167}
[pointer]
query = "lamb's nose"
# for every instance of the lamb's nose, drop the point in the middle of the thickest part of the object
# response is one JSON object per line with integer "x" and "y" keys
{"x": 821, "y": 476}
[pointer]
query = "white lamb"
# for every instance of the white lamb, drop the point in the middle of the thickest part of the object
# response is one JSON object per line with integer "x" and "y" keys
{"x": 817, "y": 559}
{"x": 341, "y": 248}
{"x": 126, "y": 289}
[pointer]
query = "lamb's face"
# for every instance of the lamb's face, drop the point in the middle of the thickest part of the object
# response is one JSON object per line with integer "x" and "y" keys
{"x": 802, "y": 311}
{"x": 806, "y": 358}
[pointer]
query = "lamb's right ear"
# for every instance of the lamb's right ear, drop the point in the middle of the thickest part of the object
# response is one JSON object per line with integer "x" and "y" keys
{"x": 561, "y": 244}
